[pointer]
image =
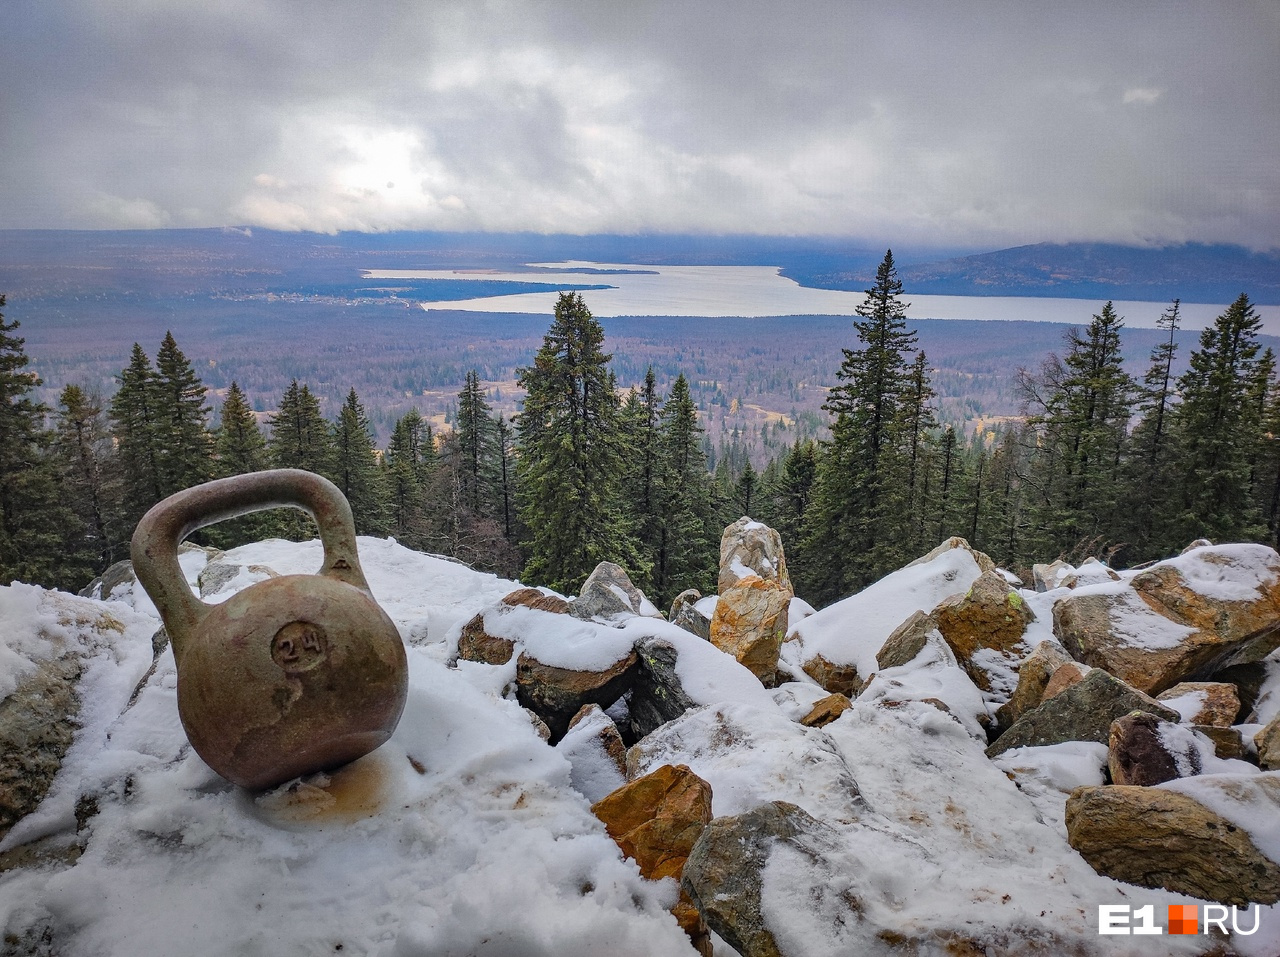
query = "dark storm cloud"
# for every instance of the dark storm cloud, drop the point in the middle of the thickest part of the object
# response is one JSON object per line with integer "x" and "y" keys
{"x": 956, "y": 123}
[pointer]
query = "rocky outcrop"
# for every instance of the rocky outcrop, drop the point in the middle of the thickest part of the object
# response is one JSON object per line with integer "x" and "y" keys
{"x": 1184, "y": 618}
{"x": 750, "y": 619}
{"x": 656, "y": 820}
{"x": 37, "y": 724}
{"x": 724, "y": 871}
{"x": 991, "y": 617}
{"x": 1033, "y": 676}
{"x": 825, "y": 710}
{"x": 1083, "y": 712}
{"x": 1155, "y": 837}
{"x": 658, "y": 696}
{"x": 1204, "y": 702}
{"x": 609, "y": 595}
{"x": 1143, "y": 750}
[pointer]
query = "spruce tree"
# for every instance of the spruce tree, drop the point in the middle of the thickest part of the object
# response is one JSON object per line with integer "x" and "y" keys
{"x": 852, "y": 534}
{"x": 688, "y": 556}
{"x": 480, "y": 466}
{"x": 239, "y": 448}
{"x": 185, "y": 452}
{"x": 300, "y": 439}
{"x": 137, "y": 428}
{"x": 1085, "y": 401}
{"x": 91, "y": 483}
{"x": 41, "y": 540}
{"x": 1217, "y": 426}
{"x": 408, "y": 465}
{"x": 645, "y": 479}
{"x": 1149, "y": 497}
{"x": 570, "y": 456}
{"x": 355, "y": 468}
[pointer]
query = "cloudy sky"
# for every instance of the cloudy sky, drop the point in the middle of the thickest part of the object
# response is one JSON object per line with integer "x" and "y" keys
{"x": 961, "y": 122}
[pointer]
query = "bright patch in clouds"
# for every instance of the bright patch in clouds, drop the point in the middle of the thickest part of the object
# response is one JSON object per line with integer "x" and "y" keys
{"x": 1142, "y": 95}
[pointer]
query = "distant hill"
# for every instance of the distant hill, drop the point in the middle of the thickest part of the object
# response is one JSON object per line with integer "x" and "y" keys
{"x": 1192, "y": 272}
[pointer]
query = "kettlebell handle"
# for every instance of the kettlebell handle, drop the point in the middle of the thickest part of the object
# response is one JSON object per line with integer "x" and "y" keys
{"x": 155, "y": 541}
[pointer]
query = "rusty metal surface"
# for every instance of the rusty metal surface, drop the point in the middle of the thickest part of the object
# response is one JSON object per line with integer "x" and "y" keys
{"x": 292, "y": 675}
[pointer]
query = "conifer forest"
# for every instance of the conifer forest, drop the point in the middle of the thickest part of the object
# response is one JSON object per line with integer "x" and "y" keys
{"x": 1101, "y": 462}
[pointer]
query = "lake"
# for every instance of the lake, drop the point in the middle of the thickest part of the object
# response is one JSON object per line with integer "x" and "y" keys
{"x": 756, "y": 291}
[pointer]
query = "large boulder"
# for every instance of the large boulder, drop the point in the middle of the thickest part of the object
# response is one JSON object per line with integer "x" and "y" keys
{"x": 907, "y": 640}
{"x": 1208, "y": 609}
{"x": 658, "y": 695}
{"x": 725, "y": 870}
{"x": 475, "y": 643}
{"x": 984, "y": 627}
{"x": 609, "y": 595}
{"x": 37, "y": 724}
{"x": 656, "y": 820}
{"x": 1083, "y": 712}
{"x": 755, "y": 592}
{"x": 1161, "y": 837}
{"x": 751, "y": 548}
{"x": 1144, "y": 750}
{"x": 1267, "y": 743}
{"x": 1033, "y": 677}
{"x": 1204, "y": 702}
{"x": 555, "y": 694}
{"x": 596, "y": 753}
{"x": 837, "y": 646}
{"x": 685, "y": 614}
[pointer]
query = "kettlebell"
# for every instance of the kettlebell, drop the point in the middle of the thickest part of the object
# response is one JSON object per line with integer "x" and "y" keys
{"x": 292, "y": 675}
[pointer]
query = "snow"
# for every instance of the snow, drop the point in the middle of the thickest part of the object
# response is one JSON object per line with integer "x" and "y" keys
{"x": 1188, "y": 704}
{"x": 1268, "y": 703}
{"x": 466, "y": 833}
{"x": 1252, "y": 803}
{"x": 1134, "y": 622}
{"x": 561, "y": 641}
{"x": 1047, "y": 775}
{"x": 852, "y": 631}
{"x": 1241, "y": 572}
{"x": 933, "y": 673}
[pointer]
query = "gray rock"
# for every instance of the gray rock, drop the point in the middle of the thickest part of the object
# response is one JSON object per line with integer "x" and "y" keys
{"x": 609, "y": 594}
{"x": 37, "y": 724}
{"x": 1048, "y": 577}
{"x": 658, "y": 696}
{"x": 117, "y": 575}
{"x": 724, "y": 870}
{"x": 751, "y": 548}
{"x": 906, "y": 641}
{"x": 215, "y": 576}
{"x": 685, "y": 614}
{"x": 1083, "y": 712}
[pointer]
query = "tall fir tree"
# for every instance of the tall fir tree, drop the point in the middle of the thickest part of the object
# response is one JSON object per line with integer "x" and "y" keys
{"x": 91, "y": 481}
{"x": 853, "y": 528}
{"x": 239, "y": 448}
{"x": 185, "y": 453}
{"x": 408, "y": 464}
{"x": 478, "y": 448}
{"x": 41, "y": 540}
{"x": 645, "y": 479}
{"x": 355, "y": 468}
{"x": 1085, "y": 402}
{"x": 135, "y": 419}
{"x": 570, "y": 460}
{"x": 1217, "y": 426}
{"x": 1149, "y": 497}
{"x": 689, "y": 551}
{"x": 300, "y": 439}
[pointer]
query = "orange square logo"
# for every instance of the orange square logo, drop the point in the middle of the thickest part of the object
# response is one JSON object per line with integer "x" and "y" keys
{"x": 1182, "y": 919}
